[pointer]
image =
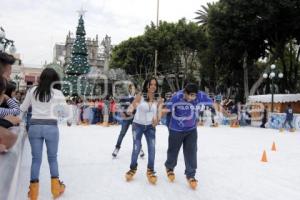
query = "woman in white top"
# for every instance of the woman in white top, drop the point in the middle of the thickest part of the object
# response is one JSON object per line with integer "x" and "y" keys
{"x": 144, "y": 123}
{"x": 44, "y": 99}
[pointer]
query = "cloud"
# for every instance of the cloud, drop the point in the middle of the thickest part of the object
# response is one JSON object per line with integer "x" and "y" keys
{"x": 36, "y": 25}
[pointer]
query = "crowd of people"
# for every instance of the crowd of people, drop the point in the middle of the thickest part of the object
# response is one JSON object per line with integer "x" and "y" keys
{"x": 97, "y": 111}
{"x": 182, "y": 112}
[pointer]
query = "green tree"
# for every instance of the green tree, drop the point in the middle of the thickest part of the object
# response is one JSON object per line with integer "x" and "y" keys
{"x": 78, "y": 66}
{"x": 241, "y": 32}
{"x": 178, "y": 45}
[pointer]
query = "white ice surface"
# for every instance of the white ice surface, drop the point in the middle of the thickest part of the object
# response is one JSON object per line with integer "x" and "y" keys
{"x": 229, "y": 166}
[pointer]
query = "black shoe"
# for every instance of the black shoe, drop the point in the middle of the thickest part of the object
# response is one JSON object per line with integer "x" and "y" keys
{"x": 115, "y": 153}
{"x": 142, "y": 154}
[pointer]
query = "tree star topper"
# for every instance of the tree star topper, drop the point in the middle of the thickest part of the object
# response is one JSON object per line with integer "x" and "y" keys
{"x": 82, "y": 11}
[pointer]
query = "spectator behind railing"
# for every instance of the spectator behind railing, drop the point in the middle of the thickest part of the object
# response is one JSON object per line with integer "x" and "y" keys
{"x": 9, "y": 109}
{"x": 11, "y": 91}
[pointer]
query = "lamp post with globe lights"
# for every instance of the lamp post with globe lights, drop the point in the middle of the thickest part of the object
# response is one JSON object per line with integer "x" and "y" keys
{"x": 4, "y": 43}
{"x": 18, "y": 79}
{"x": 272, "y": 75}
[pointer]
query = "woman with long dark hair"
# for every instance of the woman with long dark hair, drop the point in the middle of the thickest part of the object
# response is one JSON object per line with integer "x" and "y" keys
{"x": 144, "y": 123}
{"x": 43, "y": 128}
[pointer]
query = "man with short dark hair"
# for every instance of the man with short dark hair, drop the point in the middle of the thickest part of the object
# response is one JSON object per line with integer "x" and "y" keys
{"x": 6, "y": 62}
{"x": 184, "y": 106}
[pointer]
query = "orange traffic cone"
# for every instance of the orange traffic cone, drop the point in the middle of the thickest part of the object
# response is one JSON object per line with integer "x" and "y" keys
{"x": 264, "y": 157}
{"x": 273, "y": 147}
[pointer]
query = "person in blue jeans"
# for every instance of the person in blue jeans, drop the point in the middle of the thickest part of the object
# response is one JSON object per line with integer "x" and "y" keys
{"x": 184, "y": 106}
{"x": 144, "y": 123}
{"x": 44, "y": 99}
{"x": 126, "y": 120}
{"x": 288, "y": 118}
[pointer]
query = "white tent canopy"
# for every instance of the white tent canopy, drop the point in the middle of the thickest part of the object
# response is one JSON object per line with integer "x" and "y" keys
{"x": 278, "y": 98}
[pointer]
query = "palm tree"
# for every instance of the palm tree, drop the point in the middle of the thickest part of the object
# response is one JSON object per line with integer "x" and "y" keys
{"x": 202, "y": 14}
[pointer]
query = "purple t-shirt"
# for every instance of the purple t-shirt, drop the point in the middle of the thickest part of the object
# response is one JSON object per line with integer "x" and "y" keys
{"x": 184, "y": 114}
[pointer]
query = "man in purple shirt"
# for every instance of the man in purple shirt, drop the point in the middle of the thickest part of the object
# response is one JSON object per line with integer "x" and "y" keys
{"x": 184, "y": 106}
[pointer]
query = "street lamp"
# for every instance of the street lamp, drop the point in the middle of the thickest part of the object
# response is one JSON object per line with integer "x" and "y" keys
{"x": 271, "y": 75}
{"x": 4, "y": 43}
{"x": 160, "y": 80}
{"x": 156, "y": 51}
{"x": 18, "y": 78}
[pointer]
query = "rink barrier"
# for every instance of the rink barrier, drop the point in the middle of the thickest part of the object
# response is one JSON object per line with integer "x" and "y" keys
{"x": 10, "y": 164}
{"x": 276, "y": 120}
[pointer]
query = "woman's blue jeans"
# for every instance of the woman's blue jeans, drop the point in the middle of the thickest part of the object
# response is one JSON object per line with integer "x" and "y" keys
{"x": 37, "y": 135}
{"x": 137, "y": 131}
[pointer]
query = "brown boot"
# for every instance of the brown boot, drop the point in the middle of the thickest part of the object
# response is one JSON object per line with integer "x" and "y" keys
{"x": 33, "y": 190}
{"x": 193, "y": 183}
{"x": 292, "y": 130}
{"x": 129, "y": 175}
{"x": 152, "y": 178}
{"x": 170, "y": 174}
{"x": 57, "y": 187}
{"x": 281, "y": 130}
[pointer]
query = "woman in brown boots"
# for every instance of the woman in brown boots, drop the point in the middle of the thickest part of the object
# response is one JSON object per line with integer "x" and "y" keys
{"x": 43, "y": 128}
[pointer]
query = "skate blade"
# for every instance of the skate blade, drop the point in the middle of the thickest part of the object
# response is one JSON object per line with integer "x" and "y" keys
{"x": 57, "y": 197}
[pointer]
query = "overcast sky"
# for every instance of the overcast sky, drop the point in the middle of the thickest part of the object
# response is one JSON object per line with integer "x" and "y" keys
{"x": 36, "y": 25}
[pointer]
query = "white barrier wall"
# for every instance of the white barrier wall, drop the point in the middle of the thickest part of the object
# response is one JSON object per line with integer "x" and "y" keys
{"x": 10, "y": 164}
{"x": 277, "y": 119}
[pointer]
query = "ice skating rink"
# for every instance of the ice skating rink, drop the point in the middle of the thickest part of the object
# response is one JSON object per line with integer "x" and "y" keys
{"x": 229, "y": 166}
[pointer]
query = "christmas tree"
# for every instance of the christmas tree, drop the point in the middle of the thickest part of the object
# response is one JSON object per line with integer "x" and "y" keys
{"x": 78, "y": 67}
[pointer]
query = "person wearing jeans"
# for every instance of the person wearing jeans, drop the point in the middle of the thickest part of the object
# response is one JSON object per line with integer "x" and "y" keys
{"x": 45, "y": 99}
{"x": 144, "y": 123}
{"x": 184, "y": 107}
{"x": 124, "y": 103}
{"x": 288, "y": 119}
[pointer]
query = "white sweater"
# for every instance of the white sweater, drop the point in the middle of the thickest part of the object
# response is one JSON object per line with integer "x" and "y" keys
{"x": 44, "y": 110}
